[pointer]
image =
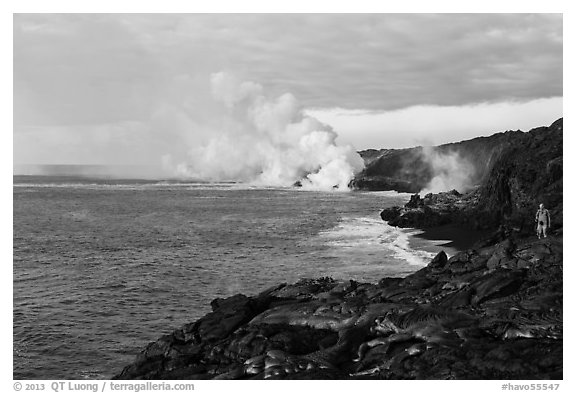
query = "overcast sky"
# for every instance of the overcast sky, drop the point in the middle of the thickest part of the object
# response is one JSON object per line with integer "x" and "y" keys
{"x": 122, "y": 89}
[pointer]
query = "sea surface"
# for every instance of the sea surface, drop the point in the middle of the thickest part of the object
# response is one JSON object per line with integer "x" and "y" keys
{"x": 103, "y": 267}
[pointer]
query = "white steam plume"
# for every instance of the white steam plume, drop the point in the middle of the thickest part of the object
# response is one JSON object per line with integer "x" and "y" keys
{"x": 267, "y": 142}
{"x": 450, "y": 171}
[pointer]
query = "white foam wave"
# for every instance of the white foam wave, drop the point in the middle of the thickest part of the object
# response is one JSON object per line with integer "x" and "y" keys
{"x": 393, "y": 194}
{"x": 400, "y": 245}
{"x": 371, "y": 235}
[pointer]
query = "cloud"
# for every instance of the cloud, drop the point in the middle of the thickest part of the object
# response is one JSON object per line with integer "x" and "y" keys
{"x": 79, "y": 70}
{"x": 85, "y": 82}
{"x": 106, "y": 68}
{"x": 434, "y": 125}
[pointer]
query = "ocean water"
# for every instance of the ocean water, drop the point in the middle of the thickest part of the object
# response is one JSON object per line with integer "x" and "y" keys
{"x": 102, "y": 268}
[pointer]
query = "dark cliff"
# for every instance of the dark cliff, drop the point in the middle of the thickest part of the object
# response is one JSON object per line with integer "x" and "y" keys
{"x": 527, "y": 173}
{"x": 408, "y": 170}
{"x": 519, "y": 174}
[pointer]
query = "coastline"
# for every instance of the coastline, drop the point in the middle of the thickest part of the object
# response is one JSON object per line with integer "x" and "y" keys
{"x": 454, "y": 237}
{"x": 449, "y": 238}
{"x": 493, "y": 312}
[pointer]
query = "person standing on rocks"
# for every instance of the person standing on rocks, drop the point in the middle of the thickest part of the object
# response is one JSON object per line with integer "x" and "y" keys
{"x": 542, "y": 220}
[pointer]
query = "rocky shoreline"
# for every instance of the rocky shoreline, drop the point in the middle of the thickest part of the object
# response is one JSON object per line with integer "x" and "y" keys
{"x": 492, "y": 312}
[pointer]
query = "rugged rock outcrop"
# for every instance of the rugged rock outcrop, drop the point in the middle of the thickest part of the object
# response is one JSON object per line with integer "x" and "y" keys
{"x": 491, "y": 312}
{"x": 525, "y": 174}
{"x": 409, "y": 170}
{"x": 528, "y": 173}
{"x": 431, "y": 211}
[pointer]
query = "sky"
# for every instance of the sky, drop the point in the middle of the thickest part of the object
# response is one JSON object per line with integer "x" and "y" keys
{"x": 134, "y": 89}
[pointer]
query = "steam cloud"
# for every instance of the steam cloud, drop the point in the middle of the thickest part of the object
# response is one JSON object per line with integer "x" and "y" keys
{"x": 266, "y": 142}
{"x": 450, "y": 171}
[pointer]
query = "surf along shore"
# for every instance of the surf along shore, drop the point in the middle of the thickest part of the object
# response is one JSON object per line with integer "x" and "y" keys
{"x": 491, "y": 311}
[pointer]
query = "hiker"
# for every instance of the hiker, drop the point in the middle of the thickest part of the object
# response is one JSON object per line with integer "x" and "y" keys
{"x": 543, "y": 221}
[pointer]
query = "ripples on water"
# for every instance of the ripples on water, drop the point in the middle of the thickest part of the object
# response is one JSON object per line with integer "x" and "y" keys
{"x": 103, "y": 268}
